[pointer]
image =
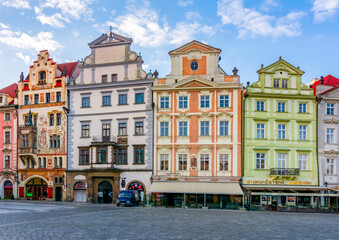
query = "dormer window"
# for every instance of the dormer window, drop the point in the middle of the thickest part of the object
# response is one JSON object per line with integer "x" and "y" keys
{"x": 42, "y": 77}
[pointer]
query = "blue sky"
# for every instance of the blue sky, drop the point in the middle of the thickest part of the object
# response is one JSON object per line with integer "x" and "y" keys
{"x": 249, "y": 33}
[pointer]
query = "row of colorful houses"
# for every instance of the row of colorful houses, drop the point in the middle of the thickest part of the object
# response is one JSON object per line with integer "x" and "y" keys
{"x": 196, "y": 138}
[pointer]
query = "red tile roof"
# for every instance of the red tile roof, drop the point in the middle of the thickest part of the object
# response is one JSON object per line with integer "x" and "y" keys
{"x": 329, "y": 80}
{"x": 10, "y": 90}
{"x": 69, "y": 66}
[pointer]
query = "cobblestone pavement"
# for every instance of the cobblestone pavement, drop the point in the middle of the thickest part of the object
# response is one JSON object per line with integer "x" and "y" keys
{"x": 37, "y": 220}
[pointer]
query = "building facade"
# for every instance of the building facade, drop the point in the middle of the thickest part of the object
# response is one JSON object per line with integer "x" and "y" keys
{"x": 8, "y": 142}
{"x": 197, "y": 131}
{"x": 280, "y": 138}
{"x": 42, "y": 131}
{"x": 110, "y": 124}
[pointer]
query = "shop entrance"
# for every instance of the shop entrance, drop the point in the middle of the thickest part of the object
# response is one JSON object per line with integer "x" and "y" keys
{"x": 105, "y": 192}
{"x": 36, "y": 188}
{"x": 58, "y": 194}
{"x": 138, "y": 186}
{"x": 80, "y": 192}
{"x": 8, "y": 189}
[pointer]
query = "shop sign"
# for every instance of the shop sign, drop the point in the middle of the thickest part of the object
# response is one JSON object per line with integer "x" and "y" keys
{"x": 278, "y": 182}
{"x": 80, "y": 186}
{"x": 8, "y": 184}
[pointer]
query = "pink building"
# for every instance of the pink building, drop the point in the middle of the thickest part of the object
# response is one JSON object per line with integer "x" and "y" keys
{"x": 8, "y": 141}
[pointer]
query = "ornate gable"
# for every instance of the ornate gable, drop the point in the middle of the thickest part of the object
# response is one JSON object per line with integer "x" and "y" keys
{"x": 194, "y": 46}
{"x": 281, "y": 65}
{"x": 194, "y": 82}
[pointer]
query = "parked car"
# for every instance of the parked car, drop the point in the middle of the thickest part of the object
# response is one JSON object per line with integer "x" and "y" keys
{"x": 128, "y": 198}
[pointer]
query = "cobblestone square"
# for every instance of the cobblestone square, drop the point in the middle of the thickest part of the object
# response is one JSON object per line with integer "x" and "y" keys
{"x": 33, "y": 220}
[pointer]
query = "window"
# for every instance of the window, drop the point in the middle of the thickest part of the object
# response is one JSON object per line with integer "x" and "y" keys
{"x": 102, "y": 155}
{"x": 39, "y": 163}
{"x": 106, "y": 100}
{"x": 164, "y": 129}
{"x": 84, "y": 156}
{"x": 35, "y": 120}
{"x": 164, "y": 102}
{"x": 106, "y": 131}
{"x": 122, "y": 99}
{"x": 55, "y": 162}
{"x": 85, "y": 130}
{"x": 223, "y": 128}
{"x": 103, "y": 78}
{"x": 194, "y": 65}
{"x": 204, "y": 162}
{"x": 42, "y": 75}
{"x": 302, "y": 107}
{"x": 36, "y": 98}
{"x": 183, "y": 102}
{"x": 330, "y": 108}
{"x": 1, "y": 99}
{"x": 260, "y": 130}
{"x": 123, "y": 129}
{"x": 303, "y": 161}
{"x": 58, "y": 96}
{"x": 224, "y": 101}
{"x": 302, "y": 132}
{"x": 223, "y": 162}
{"x": 139, "y": 98}
{"x": 183, "y": 128}
{"x": 7, "y": 162}
{"x": 7, "y": 137}
{"x": 122, "y": 156}
{"x": 139, "y": 155}
{"x": 7, "y": 117}
{"x": 281, "y": 107}
{"x": 330, "y": 166}
{"x": 85, "y": 102}
{"x": 54, "y": 141}
{"x": 260, "y": 160}
{"x": 60, "y": 162}
{"x": 44, "y": 162}
{"x": 281, "y": 131}
{"x": 26, "y": 102}
{"x": 204, "y": 101}
{"x": 164, "y": 162}
{"x": 204, "y": 128}
{"x": 260, "y": 106}
{"x": 182, "y": 162}
{"x": 114, "y": 77}
{"x": 51, "y": 119}
{"x": 284, "y": 83}
{"x": 58, "y": 119}
{"x": 25, "y": 141}
{"x": 139, "y": 128}
{"x": 48, "y": 97}
{"x": 276, "y": 83}
{"x": 330, "y": 135}
{"x": 282, "y": 161}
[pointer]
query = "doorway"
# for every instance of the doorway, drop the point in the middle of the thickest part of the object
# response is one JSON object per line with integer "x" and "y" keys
{"x": 105, "y": 192}
{"x": 8, "y": 189}
{"x": 58, "y": 194}
{"x": 36, "y": 189}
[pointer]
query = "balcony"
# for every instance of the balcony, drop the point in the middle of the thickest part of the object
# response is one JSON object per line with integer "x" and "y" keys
{"x": 26, "y": 129}
{"x": 27, "y": 151}
{"x": 104, "y": 139}
{"x": 284, "y": 172}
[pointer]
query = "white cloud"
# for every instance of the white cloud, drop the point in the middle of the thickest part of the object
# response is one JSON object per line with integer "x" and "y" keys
{"x": 75, "y": 33}
{"x": 145, "y": 66}
{"x": 55, "y": 20}
{"x": 4, "y": 26}
{"x": 251, "y": 22}
{"x": 185, "y": 3}
{"x": 268, "y": 5}
{"x": 19, "y": 4}
{"x": 192, "y": 15}
{"x": 26, "y": 58}
{"x": 324, "y": 9}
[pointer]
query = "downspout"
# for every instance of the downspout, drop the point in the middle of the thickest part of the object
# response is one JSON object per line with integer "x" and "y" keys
{"x": 17, "y": 152}
{"x": 318, "y": 99}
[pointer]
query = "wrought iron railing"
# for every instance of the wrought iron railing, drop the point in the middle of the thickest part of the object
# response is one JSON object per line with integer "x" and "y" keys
{"x": 284, "y": 171}
{"x": 104, "y": 138}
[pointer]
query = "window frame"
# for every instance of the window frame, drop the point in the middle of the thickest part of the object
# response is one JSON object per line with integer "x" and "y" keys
{"x": 164, "y": 162}
{"x": 139, "y": 155}
{"x": 81, "y": 155}
{"x": 260, "y": 160}
{"x": 164, "y": 129}
{"x": 224, "y": 161}
{"x": 85, "y": 101}
{"x": 164, "y": 102}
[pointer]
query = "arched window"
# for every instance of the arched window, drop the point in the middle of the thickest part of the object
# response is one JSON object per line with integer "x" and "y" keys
{"x": 55, "y": 162}
{"x": 28, "y": 162}
{"x": 39, "y": 163}
{"x": 60, "y": 162}
{"x": 44, "y": 162}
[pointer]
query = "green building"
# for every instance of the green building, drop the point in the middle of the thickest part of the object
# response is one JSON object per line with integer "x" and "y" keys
{"x": 280, "y": 139}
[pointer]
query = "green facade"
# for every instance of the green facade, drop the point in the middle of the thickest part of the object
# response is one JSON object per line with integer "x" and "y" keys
{"x": 284, "y": 153}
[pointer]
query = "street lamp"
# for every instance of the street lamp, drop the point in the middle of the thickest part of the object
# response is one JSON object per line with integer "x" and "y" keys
{"x": 326, "y": 183}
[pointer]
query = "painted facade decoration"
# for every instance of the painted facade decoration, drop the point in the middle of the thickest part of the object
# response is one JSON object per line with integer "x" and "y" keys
{"x": 8, "y": 142}
{"x": 42, "y": 99}
{"x": 197, "y": 130}
{"x": 110, "y": 123}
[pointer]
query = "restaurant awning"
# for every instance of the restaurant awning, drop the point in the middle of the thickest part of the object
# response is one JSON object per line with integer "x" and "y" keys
{"x": 229, "y": 188}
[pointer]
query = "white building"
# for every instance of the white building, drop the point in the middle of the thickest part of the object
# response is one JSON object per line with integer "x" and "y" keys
{"x": 110, "y": 123}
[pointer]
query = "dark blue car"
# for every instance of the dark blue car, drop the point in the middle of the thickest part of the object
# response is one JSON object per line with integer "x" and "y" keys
{"x": 128, "y": 198}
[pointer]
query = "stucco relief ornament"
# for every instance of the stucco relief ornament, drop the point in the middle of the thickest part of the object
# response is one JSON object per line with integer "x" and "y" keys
{"x": 224, "y": 149}
{"x": 205, "y": 116}
{"x": 182, "y": 149}
{"x": 164, "y": 117}
{"x": 194, "y": 162}
{"x": 224, "y": 116}
{"x": 205, "y": 149}
{"x": 164, "y": 149}
{"x": 194, "y": 54}
{"x": 183, "y": 116}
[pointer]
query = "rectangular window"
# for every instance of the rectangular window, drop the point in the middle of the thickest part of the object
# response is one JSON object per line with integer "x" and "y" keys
{"x": 204, "y": 101}
{"x": 35, "y": 120}
{"x": 7, "y": 162}
{"x": 58, "y": 119}
{"x": 84, "y": 156}
{"x": 282, "y": 161}
{"x": 223, "y": 101}
{"x": 106, "y": 132}
{"x": 85, "y": 130}
{"x": 139, "y": 98}
{"x": 285, "y": 83}
{"x": 183, "y": 128}
{"x": 260, "y": 160}
{"x": 58, "y": 96}
{"x": 54, "y": 141}
{"x": 25, "y": 141}
{"x": 7, "y": 137}
{"x": 164, "y": 131}
{"x": 36, "y": 98}
{"x": 281, "y": 131}
{"x": 85, "y": 102}
{"x": 7, "y": 117}
{"x": 182, "y": 162}
{"x": 330, "y": 108}
{"x": 102, "y": 155}
{"x": 260, "y": 130}
{"x": 303, "y": 161}
{"x": 48, "y": 97}
{"x": 302, "y": 107}
{"x": 330, "y": 135}
{"x": 330, "y": 166}
{"x": 164, "y": 102}
{"x": 106, "y": 100}
{"x": 281, "y": 107}
{"x": 204, "y": 128}
{"x": 260, "y": 106}
{"x": 122, "y": 156}
{"x": 223, "y": 162}
{"x": 51, "y": 119}
{"x": 122, "y": 99}
{"x": 123, "y": 129}
{"x": 26, "y": 100}
{"x": 223, "y": 125}
{"x": 114, "y": 77}
{"x": 139, "y": 155}
{"x": 139, "y": 128}
{"x": 276, "y": 83}
{"x": 164, "y": 162}
{"x": 183, "y": 102}
{"x": 104, "y": 78}
{"x": 204, "y": 162}
{"x": 302, "y": 132}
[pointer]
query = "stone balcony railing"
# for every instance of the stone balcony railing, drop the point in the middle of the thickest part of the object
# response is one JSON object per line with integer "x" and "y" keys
{"x": 103, "y": 139}
{"x": 284, "y": 171}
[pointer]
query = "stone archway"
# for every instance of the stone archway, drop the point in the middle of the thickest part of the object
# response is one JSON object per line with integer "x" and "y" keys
{"x": 8, "y": 189}
{"x": 139, "y": 186}
{"x": 105, "y": 192}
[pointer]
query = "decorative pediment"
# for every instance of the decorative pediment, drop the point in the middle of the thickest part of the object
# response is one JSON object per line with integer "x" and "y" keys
{"x": 164, "y": 117}
{"x": 281, "y": 65}
{"x": 183, "y": 117}
{"x": 195, "y": 82}
{"x": 164, "y": 149}
{"x": 224, "y": 149}
{"x": 205, "y": 116}
{"x": 331, "y": 121}
{"x": 205, "y": 149}
{"x": 183, "y": 149}
{"x": 104, "y": 39}
{"x": 224, "y": 116}
{"x": 194, "y": 46}
{"x": 331, "y": 152}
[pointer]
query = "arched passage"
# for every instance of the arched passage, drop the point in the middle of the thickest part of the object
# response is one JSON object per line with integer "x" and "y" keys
{"x": 136, "y": 185}
{"x": 105, "y": 192}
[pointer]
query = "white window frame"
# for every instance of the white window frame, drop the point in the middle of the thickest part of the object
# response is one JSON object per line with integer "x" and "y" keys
{"x": 330, "y": 137}
{"x": 227, "y": 128}
{"x": 281, "y": 131}
{"x": 303, "y": 159}
{"x": 302, "y": 107}
{"x": 168, "y": 127}
{"x": 205, "y": 100}
{"x": 260, "y": 106}
{"x": 224, "y": 100}
{"x": 281, "y": 106}
{"x": 179, "y": 101}
{"x": 182, "y": 154}
{"x": 209, "y": 128}
{"x": 187, "y": 127}
{"x": 209, "y": 161}
{"x": 262, "y": 157}
{"x": 163, "y": 101}
{"x": 330, "y": 166}
{"x": 261, "y": 134}
{"x": 331, "y": 108}
{"x": 168, "y": 161}
{"x": 226, "y": 159}
{"x": 302, "y": 132}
